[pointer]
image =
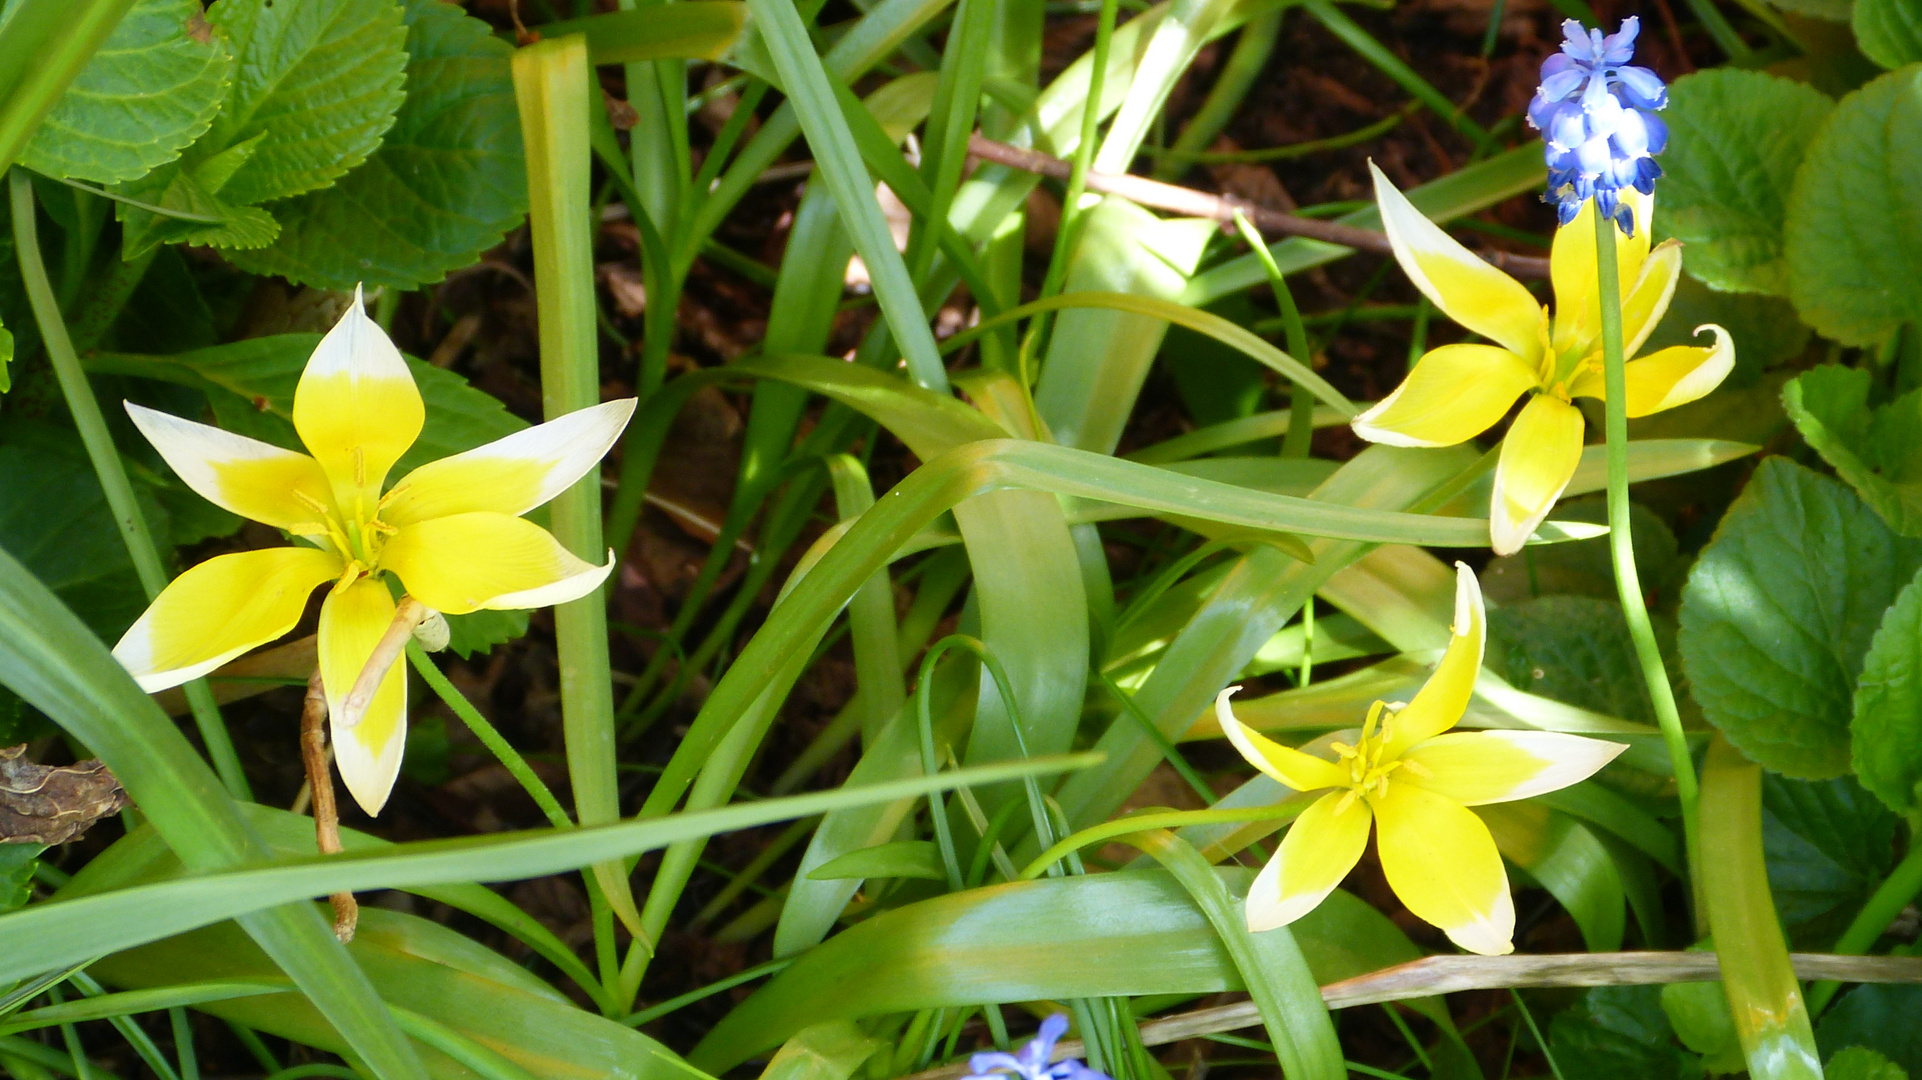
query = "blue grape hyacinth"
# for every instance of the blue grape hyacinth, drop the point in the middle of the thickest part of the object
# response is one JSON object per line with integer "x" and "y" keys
{"x": 1031, "y": 1062}
{"x": 1596, "y": 111}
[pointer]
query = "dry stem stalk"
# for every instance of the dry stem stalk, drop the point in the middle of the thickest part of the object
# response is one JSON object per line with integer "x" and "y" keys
{"x": 320, "y": 777}
{"x": 1447, "y": 974}
{"x": 1222, "y": 208}
{"x": 407, "y": 615}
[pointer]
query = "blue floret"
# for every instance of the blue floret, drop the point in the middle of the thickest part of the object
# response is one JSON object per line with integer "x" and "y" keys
{"x": 1596, "y": 113}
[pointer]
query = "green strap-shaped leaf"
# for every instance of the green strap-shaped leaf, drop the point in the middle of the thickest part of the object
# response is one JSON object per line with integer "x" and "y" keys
{"x": 151, "y": 90}
{"x": 446, "y": 183}
{"x": 319, "y": 79}
{"x": 1271, "y": 964}
{"x": 431, "y": 972}
{"x": 56, "y": 665}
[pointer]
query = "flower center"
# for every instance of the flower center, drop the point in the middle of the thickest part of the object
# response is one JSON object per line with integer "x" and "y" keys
{"x": 1369, "y": 764}
{"x": 356, "y": 538}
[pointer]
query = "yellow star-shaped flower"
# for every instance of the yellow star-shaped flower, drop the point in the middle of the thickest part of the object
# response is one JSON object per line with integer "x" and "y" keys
{"x": 1456, "y": 392}
{"x": 1413, "y": 780}
{"x": 451, "y": 531}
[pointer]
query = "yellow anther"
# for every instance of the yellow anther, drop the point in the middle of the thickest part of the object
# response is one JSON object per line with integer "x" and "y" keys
{"x": 360, "y": 467}
{"x": 376, "y": 525}
{"x": 1416, "y": 767}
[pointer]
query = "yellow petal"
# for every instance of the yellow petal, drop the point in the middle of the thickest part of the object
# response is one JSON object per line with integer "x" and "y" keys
{"x": 1467, "y": 289}
{"x": 1438, "y": 705}
{"x": 220, "y": 609}
{"x": 357, "y": 409}
{"x": 1669, "y": 377}
{"x": 1477, "y": 767}
{"x": 352, "y": 621}
{"x": 249, "y": 477}
{"x": 1442, "y": 863}
{"x": 511, "y": 475}
{"x": 1454, "y": 393}
{"x": 1303, "y": 772}
{"x": 1571, "y": 265}
{"x": 1647, "y": 297}
{"x": 466, "y": 562}
{"x": 1324, "y": 843}
{"x": 1538, "y": 459}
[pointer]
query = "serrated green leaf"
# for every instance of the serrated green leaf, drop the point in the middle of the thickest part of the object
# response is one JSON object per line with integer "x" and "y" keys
{"x": 151, "y": 90}
{"x": 1828, "y": 844}
{"x": 203, "y": 216}
{"x": 1887, "y": 729}
{"x": 1778, "y": 613}
{"x": 1618, "y": 1031}
{"x": 320, "y": 79}
{"x": 1861, "y": 1063}
{"x": 1889, "y": 32}
{"x": 1735, "y": 141}
{"x": 480, "y": 631}
{"x": 446, "y": 183}
{"x": 1854, "y": 227}
{"x": 1878, "y": 451}
{"x": 1880, "y": 1018}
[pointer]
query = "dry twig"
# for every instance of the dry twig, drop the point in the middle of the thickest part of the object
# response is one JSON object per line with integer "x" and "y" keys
{"x": 1447, "y": 974}
{"x": 313, "y": 750}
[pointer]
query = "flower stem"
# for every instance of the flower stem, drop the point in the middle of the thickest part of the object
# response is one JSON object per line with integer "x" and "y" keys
{"x": 1621, "y": 548}
{"x": 107, "y": 465}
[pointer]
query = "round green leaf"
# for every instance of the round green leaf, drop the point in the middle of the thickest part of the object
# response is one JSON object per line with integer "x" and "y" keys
{"x": 1854, "y": 228}
{"x": 1735, "y": 140}
{"x": 1778, "y": 613}
{"x": 319, "y": 79}
{"x": 1888, "y": 705}
{"x": 446, "y": 183}
{"x": 1889, "y": 32}
{"x": 151, "y": 90}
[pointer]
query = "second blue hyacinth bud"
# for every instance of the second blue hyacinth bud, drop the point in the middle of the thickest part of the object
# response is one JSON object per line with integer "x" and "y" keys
{"x": 1596, "y": 112}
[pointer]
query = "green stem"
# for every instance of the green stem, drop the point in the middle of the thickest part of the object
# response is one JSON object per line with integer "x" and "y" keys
{"x": 1901, "y": 886}
{"x": 107, "y": 465}
{"x": 1301, "y": 404}
{"x": 551, "y": 79}
{"x": 1237, "y": 76}
{"x": 1621, "y": 549}
{"x": 1763, "y": 995}
{"x": 1084, "y": 151}
{"x": 510, "y": 758}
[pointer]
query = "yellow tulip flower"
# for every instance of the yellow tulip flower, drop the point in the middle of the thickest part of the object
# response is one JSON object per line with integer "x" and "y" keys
{"x": 1456, "y": 392}
{"x": 450, "y": 530}
{"x": 1414, "y": 784}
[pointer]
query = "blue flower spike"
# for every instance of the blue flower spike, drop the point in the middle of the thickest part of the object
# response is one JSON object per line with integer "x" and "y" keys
{"x": 1596, "y": 112}
{"x": 1031, "y": 1062}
